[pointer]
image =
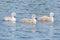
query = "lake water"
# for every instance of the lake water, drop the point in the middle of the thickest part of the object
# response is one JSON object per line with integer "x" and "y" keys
{"x": 25, "y": 9}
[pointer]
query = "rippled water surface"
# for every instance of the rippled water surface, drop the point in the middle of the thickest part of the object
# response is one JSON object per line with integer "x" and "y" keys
{"x": 25, "y": 9}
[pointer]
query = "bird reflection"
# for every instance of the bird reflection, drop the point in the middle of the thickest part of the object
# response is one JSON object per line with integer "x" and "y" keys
{"x": 51, "y": 32}
{"x": 10, "y": 23}
{"x": 13, "y": 23}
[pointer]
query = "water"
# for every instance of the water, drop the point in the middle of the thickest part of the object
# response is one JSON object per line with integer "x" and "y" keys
{"x": 25, "y": 9}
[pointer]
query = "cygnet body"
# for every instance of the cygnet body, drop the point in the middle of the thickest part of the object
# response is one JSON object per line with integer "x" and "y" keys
{"x": 29, "y": 20}
{"x": 12, "y": 18}
{"x": 47, "y": 18}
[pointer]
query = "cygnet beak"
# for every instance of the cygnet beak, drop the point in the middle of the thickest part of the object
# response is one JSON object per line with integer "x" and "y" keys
{"x": 15, "y": 16}
{"x": 36, "y": 18}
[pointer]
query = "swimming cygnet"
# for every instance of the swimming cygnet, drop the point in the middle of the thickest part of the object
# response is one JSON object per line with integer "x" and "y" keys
{"x": 12, "y": 18}
{"x": 47, "y": 18}
{"x": 29, "y": 20}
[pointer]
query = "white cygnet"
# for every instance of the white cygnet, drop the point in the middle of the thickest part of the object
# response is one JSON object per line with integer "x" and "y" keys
{"x": 12, "y": 18}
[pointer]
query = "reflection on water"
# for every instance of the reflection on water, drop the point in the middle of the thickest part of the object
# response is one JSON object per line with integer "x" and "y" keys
{"x": 12, "y": 23}
{"x": 33, "y": 25}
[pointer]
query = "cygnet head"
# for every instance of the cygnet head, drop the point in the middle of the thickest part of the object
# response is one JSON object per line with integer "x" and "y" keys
{"x": 13, "y": 14}
{"x": 51, "y": 14}
{"x": 33, "y": 16}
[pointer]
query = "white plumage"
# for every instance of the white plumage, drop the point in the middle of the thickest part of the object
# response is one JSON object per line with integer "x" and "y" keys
{"x": 12, "y": 18}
